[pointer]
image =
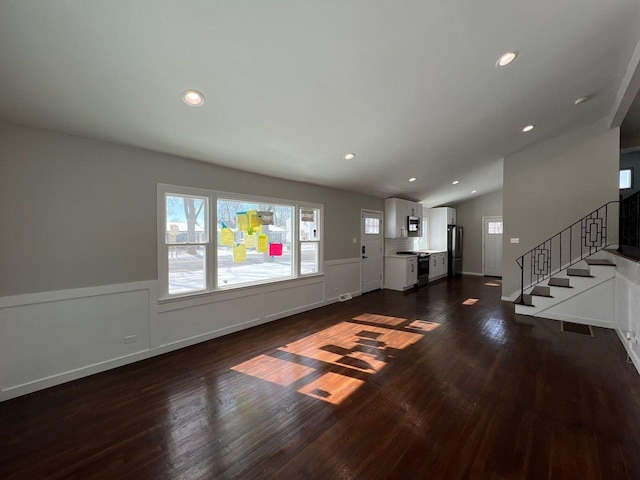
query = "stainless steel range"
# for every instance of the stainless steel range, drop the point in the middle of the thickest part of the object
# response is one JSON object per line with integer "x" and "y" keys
{"x": 423, "y": 265}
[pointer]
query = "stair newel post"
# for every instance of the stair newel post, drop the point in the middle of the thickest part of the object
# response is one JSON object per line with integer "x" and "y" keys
{"x": 570, "y": 244}
{"x": 560, "y": 249}
{"x": 582, "y": 237}
{"x": 605, "y": 230}
{"x": 522, "y": 278}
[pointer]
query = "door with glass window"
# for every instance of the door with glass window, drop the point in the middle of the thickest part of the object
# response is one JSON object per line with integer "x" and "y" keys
{"x": 492, "y": 246}
{"x": 371, "y": 250}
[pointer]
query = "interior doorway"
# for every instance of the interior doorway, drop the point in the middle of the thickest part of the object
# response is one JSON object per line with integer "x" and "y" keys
{"x": 492, "y": 246}
{"x": 371, "y": 241}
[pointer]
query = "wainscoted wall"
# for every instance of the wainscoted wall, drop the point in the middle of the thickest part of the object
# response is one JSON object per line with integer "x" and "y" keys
{"x": 627, "y": 303}
{"x": 54, "y": 337}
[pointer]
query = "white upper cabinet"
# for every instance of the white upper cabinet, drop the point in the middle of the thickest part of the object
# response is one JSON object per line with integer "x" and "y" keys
{"x": 439, "y": 219}
{"x": 396, "y": 211}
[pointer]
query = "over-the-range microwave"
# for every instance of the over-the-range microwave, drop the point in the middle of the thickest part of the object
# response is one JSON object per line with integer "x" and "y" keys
{"x": 413, "y": 226}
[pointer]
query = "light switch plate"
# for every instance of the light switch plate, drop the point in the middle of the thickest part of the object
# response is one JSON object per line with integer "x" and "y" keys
{"x": 515, "y": 240}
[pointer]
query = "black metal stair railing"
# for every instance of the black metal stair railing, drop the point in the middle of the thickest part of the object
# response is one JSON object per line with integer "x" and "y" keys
{"x": 630, "y": 223}
{"x": 567, "y": 247}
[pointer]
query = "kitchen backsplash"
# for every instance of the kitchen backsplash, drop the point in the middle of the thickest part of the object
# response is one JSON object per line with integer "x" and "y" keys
{"x": 393, "y": 245}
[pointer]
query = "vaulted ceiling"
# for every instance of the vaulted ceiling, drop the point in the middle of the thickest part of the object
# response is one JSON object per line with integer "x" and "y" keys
{"x": 411, "y": 87}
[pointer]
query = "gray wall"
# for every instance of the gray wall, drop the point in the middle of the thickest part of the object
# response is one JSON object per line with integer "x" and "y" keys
{"x": 631, "y": 160}
{"x": 78, "y": 212}
{"x": 469, "y": 215}
{"x": 550, "y": 186}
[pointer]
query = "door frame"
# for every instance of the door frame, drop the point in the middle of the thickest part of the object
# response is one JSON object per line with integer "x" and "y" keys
{"x": 484, "y": 219}
{"x": 382, "y": 237}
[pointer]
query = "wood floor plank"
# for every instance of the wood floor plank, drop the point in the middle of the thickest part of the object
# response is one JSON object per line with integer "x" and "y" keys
{"x": 443, "y": 382}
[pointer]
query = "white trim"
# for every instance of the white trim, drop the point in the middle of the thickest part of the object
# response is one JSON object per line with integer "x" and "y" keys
{"x": 331, "y": 300}
{"x": 57, "y": 295}
{"x": 343, "y": 261}
{"x": 627, "y": 91}
{"x": 211, "y": 245}
{"x": 364, "y": 211}
{"x": 632, "y": 354}
{"x": 52, "y": 380}
{"x": 574, "y": 319}
{"x": 110, "y": 326}
{"x": 512, "y": 297}
{"x": 483, "y": 233}
{"x": 473, "y": 274}
{"x": 231, "y": 294}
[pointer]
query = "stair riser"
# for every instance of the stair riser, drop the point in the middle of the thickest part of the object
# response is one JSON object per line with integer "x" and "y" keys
{"x": 560, "y": 294}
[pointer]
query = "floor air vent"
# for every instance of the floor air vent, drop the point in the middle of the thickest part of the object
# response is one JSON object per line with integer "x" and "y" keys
{"x": 576, "y": 328}
{"x": 344, "y": 297}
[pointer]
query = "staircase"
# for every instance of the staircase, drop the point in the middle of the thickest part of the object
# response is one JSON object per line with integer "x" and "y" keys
{"x": 580, "y": 287}
{"x": 570, "y": 276}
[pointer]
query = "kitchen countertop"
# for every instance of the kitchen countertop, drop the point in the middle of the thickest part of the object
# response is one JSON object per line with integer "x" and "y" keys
{"x": 426, "y": 251}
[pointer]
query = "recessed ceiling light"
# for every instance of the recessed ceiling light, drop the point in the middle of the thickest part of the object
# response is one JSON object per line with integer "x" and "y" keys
{"x": 192, "y": 98}
{"x": 528, "y": 128}
{"x": 582, "y": 100}
{"x": 455, "y": 182}
{"x": 473, "y": 191}
{"x": 412, "y": 179}
{"x": 506, "y": 59}
{"x": 349, "y": 156}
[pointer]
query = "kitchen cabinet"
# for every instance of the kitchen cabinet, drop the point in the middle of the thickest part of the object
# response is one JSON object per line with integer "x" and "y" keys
{"x": 439, "y": 219}
{"x": 400, "y": 272}
{"x": 438, "y": 267}
{"x": 396, "y": 211}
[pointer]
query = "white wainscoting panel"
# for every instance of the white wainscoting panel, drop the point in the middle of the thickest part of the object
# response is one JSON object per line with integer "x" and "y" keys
{"x": 342, "y": 276}
{"x": 211, "y": 319}
{"x": 49, "y": 338}
{"x": 591, "y": 307}
{"x": 53, "y": 337}
{"x": 287, "y": 301}
{"x": 627, "y": 305}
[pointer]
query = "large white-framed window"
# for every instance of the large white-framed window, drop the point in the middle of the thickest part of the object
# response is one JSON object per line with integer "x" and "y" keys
{"x": 256, "y": 240}
{"x": 254, "y": 243}
{"x": 184, "y": 241}
{"x": 310, "y": 221}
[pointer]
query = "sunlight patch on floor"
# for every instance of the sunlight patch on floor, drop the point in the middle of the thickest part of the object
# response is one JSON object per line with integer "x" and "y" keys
{"x": 353, "y": 348}
{"x": 380, "y": 319}
{"x": 423, "y": 325}
{"x": 274, "y": 370}
{"x": 332, "y": 387}
{"x": 470, "y": 301}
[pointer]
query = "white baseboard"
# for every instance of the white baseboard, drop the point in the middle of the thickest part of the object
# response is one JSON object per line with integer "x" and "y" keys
{"x": 54, "y": 337}
{"x": 575, "y": 319}
{"x": 473, "y": 274}
{"x": 632, "y": 355}
{"x": 512, "y": 297}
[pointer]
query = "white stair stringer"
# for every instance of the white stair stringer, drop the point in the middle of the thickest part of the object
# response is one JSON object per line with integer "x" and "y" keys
{"x": 593, "y": 306}
{"x": 589, "y": 301}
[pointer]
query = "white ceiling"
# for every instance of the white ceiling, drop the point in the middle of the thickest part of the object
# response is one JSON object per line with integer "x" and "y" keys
{"x": 291, "y": 86}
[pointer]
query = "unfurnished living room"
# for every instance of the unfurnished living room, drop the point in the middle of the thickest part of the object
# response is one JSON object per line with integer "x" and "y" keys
{"x": 319, "y": 240}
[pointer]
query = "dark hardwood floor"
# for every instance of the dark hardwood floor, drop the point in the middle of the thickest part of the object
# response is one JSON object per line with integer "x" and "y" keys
{"x": 439, "y": 383}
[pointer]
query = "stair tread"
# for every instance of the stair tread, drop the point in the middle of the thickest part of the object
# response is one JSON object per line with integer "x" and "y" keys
{"x": 541, "y": 291}
{"x": 599, "y": 262}
{"x": 579, "y": 272}
{"x": 559, "y": 282}
{"x": 524, "y": 302}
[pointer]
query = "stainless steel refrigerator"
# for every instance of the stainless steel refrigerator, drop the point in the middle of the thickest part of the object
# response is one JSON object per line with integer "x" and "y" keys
{"x": 454, "y": 250}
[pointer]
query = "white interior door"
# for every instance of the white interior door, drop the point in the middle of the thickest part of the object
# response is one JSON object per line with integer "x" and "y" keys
{"x": 492, "y": 246}
{"x": 371, "y": 250}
